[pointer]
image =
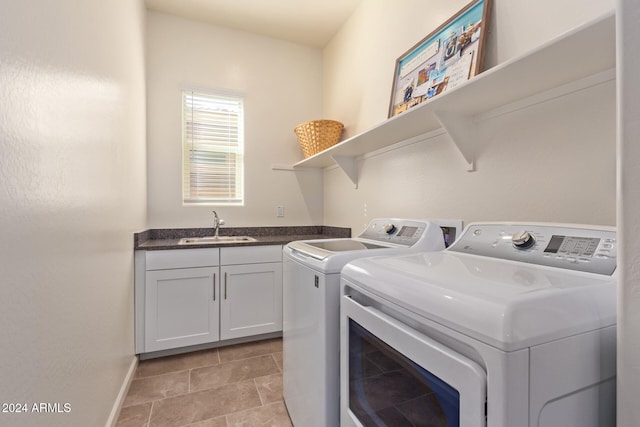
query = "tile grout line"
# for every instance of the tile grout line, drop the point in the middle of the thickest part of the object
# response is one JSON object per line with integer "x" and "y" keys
{"x": 276, "y": 362}
{"x": 255, "y": 384}
{"x": 181, "y": 355}
{"x": 150, "y": 412}
{"x": 206, "y": 365}
{"x": 245, "y": 358}
{"x": 242, "y": 357}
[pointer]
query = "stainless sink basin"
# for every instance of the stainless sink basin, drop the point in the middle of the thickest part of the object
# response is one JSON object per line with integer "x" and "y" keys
{"x": 215, "y": 240}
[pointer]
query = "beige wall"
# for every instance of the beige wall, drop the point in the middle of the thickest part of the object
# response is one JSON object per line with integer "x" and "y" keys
{"x": 553, "y": 161}
{"x": 282, "y": 84}
{"x": 73, "y": 172}
{"x": 72, "y": 192}
{"x": 628, "y": 219}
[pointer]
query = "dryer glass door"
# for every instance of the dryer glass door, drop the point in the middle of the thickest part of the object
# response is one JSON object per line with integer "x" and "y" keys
{"x": 398, "y": 377}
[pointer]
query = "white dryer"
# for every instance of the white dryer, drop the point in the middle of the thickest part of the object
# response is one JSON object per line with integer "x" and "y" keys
{"x": 311, "y": 307}
{"x": 514, "y": 325}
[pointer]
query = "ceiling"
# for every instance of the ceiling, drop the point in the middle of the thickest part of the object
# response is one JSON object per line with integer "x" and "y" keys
{"x": 309, "y": 22}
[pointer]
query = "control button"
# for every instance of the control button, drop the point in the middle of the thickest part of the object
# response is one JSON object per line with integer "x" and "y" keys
{"x": 583, "y": 259}
{"x": 571, "y": 259}
{"x": 523, "y": 240}
{"x": 390, "y": 228}
{"x": 607, "y": 246}
{"x": 477, "y": 232}
{"x": 559, "y": 257}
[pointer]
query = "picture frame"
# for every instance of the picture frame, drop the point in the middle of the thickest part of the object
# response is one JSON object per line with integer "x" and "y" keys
{"x": 447, "y": 57}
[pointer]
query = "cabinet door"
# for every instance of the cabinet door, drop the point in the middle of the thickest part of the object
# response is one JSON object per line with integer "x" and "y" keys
{"x": 251, "y": 299}
{"x": 181, "y": 307}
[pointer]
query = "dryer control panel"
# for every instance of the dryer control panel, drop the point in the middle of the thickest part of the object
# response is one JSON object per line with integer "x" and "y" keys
{"x": 571, "y": 247}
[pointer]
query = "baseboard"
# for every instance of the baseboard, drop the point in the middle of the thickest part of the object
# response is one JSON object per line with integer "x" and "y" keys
{"x": 124, "y": 389}
{"x": 191, "y": 348}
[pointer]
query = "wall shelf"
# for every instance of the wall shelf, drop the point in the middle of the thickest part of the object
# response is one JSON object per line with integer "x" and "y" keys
{"x": 577, "y": 59}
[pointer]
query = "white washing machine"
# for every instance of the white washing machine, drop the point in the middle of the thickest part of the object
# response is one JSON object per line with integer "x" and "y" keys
{"x": 514, "y": 325}
{"x": 311, "y": 306}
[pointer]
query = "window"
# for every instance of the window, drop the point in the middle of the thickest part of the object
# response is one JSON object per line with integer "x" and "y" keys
{"x": 212, "y": 149}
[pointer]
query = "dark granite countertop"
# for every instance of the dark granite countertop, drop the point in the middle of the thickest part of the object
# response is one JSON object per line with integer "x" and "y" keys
{"x": 162, "y": 239}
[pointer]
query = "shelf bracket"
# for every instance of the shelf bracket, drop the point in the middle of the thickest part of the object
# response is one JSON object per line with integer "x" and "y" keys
{"x": 349, "y": 166}
{"x": 463, "y": 131}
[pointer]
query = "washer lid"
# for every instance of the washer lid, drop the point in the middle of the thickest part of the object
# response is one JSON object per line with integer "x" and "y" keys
{"x": 320, "y": 249}
{"x": 506, "y": 304}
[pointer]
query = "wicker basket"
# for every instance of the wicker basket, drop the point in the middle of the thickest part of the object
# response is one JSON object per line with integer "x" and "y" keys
{"x": 318, "y": 135}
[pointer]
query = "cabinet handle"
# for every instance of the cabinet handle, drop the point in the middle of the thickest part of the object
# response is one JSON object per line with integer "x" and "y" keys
{"x": 214, "y": 286}
{"x": 225, "y": 285}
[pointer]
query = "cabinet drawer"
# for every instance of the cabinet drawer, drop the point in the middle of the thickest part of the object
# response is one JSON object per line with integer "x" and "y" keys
{"x": 250, "y": 254}
{"x": 182, "y": 258}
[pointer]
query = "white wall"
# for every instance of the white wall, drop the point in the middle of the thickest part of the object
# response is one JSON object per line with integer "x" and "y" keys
{"x": 628, "y": 67}
{"x": 550, "y": 162}
{"x": 72, "y": 192}
{"x": 282, "y": 84}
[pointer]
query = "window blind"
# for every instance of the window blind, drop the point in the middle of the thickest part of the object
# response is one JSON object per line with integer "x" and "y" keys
{"x": 213, "y": 149}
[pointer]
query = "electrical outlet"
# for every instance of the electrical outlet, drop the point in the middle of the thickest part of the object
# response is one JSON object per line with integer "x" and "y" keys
{"x": 280, "y": 211}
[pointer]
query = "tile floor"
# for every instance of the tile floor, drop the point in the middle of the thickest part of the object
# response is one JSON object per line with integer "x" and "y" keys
{"x": 235, "y": 386}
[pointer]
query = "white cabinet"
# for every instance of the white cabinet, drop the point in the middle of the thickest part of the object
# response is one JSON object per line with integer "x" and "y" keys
{"x": 188, "y": 297}
{"x": 251, "y": 291}
{"x": 252, "y": 300}
{"x": 179, "y": 300}
{"x": 181, "y": 307}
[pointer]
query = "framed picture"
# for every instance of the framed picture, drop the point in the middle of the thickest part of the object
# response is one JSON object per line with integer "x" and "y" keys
{"x": 447, "y": 57}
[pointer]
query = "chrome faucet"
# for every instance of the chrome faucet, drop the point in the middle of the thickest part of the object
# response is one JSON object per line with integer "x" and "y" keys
{"x": 217, "y": 222}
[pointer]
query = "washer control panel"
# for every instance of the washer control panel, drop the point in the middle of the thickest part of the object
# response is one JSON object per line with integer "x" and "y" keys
{"x": 408, "y": 232}
{"x": 592, "y": 250}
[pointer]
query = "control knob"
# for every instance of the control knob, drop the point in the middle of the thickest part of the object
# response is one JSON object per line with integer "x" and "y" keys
{"x": 523, "y": 240}
{"x": 390, "y": 228}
